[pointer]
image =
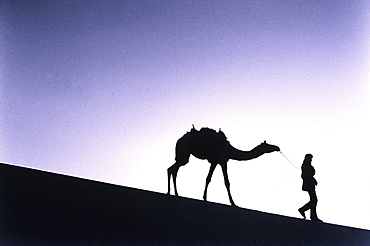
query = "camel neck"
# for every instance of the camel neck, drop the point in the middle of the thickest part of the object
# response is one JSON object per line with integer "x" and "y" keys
{"x": 240, "y": 155}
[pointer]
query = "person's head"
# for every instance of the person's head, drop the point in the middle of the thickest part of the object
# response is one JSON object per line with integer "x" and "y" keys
{"x": 308, "y": 158}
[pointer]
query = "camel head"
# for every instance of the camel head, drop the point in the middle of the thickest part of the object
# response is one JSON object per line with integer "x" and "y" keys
{"x": 267, "y": 148}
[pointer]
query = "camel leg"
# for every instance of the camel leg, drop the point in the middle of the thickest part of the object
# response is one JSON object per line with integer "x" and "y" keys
{"x": 227, "y": 183}
{"x": 208, "y": 180}
{"x": 169, "y": 180}
{"x": 174, "y": 176}
{"x": 172, "y": 170}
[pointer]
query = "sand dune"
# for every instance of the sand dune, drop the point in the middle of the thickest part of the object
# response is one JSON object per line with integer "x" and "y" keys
{"x": 42, "y": 208}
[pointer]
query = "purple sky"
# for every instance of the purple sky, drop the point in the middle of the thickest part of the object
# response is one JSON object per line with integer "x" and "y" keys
{"x": 103, "y": 89}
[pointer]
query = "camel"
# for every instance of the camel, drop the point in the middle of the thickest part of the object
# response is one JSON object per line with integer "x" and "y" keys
{"x": 207, "y": 144}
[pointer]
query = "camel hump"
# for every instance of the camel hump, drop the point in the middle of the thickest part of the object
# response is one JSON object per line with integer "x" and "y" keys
{"x": 204, "y": 134}
{"x": 209, "y": 133}
{"x": 207, "y": 130}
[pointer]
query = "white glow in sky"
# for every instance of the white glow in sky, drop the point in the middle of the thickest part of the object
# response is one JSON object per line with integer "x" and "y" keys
{"x": 104, "y": 90}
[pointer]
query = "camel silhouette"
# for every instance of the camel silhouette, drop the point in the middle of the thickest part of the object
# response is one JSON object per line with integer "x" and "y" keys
{"x": 207, "y": 144}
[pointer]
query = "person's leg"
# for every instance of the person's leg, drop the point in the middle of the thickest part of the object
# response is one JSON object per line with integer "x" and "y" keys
{"x": 313, "y": 201}
{"x": 306, "y": 207}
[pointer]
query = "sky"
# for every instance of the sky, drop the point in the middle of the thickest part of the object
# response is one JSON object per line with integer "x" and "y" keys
{"x": 103, "y": 90}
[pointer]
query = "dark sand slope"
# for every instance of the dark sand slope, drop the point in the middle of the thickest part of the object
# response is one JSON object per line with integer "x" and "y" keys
{"x": 43, "y": 208}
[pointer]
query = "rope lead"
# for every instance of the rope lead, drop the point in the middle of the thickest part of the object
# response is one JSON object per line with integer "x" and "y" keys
{"x": 290, "y": 161}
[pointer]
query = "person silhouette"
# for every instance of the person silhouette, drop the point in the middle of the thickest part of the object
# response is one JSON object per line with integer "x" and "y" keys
{"x": 309, "y": 185}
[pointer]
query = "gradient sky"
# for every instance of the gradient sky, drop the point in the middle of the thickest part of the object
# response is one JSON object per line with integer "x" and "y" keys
{"x": 103, "y": 89}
